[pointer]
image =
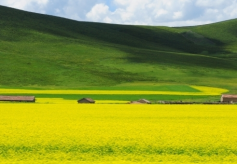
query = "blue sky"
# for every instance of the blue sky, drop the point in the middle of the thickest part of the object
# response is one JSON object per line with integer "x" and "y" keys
{"x": 139, "y": 12}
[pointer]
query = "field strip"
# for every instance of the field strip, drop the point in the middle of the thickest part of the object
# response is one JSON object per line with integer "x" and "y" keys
{"x": 64, "y": 101}
{"x": 55, "y": 101}
{"x": 108, "y": 134}
{"x": 204, "y": 91}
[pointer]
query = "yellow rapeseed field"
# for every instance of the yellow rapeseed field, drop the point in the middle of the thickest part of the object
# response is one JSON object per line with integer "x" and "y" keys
{"x": 203, "y": 91}
{"x": 114, "y": 134}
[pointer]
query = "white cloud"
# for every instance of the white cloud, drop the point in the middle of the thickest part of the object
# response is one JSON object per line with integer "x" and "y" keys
{"x": 77, "y": 9}
{"x": 98, "y": 12}
{"x": 177, "y": 15}
{"x": 30, "y": 5}
{"x": 166, "y": 12}
{"x": 160, "y": 12}
{"x": 144, "y": 12}
{"x": 107, "y": 20}
{"x": 212, "y": 4}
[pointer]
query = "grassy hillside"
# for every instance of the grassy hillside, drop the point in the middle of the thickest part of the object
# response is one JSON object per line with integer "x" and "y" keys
{"x": 45, "y": 51}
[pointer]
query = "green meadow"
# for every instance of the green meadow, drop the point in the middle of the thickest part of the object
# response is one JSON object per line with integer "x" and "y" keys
{"x": 42, "y": 51}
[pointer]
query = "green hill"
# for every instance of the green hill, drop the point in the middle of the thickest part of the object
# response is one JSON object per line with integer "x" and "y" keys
{"x": 46, "y": 51}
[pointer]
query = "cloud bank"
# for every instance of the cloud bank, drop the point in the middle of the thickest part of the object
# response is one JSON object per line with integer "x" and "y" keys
{"x": 139, "y": 12}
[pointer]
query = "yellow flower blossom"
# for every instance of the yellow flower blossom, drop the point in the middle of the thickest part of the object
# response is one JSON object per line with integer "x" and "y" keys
{"x": 203, "y": 91}
{"x": 114, "y": 134}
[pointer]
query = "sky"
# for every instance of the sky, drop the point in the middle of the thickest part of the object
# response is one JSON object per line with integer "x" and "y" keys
{"x": 134, "y": 12}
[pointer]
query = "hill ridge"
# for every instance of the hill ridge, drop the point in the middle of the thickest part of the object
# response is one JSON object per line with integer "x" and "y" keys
{"x": 45, "y": 50}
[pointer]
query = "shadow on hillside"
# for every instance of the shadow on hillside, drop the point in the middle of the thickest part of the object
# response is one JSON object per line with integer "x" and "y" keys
{"x": 178, "y": 59}
{"x": 138, "y": 41}
{"x": 156, "y": 38}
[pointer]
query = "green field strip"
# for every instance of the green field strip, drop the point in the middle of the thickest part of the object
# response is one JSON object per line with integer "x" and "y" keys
{"x": 124, "y": 97}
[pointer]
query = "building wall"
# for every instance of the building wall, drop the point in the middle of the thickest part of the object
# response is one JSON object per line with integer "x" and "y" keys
{"x": 85, "y": 101}
{"x": 229, "y": 99}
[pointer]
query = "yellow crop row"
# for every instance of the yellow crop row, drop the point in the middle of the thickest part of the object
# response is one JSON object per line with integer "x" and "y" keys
{"x": 55, "y": 101}
{"x": 210, "y": 90}
{"x": 203, "y": 91}
{"x": 109, "y": 134}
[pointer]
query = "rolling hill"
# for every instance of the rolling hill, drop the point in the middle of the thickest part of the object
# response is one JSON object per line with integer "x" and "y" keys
{"x": 45, "y": 51}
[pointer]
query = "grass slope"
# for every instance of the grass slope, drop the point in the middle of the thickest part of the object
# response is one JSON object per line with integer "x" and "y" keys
{"x": 45, "y": 51}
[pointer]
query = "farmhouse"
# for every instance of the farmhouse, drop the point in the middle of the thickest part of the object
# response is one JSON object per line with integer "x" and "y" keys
{"x": 229, "y": 98}
{"x": 141, "y": 101}
{"x": 134, "y": 102}
{"x": 18, "y": 98}
{"x": 144, "y": 101}
{"x": 86, "y": 101}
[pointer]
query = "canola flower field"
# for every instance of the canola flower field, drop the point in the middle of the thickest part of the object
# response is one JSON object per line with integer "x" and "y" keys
{"x": 202, "y": 91}
{"x": 111, "y": 134}
{"x": 110, "y": 96}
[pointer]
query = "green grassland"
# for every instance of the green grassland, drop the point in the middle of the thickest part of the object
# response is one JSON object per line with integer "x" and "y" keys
{"x": 153, "y": 98}
{"x": 43, "y": 51}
